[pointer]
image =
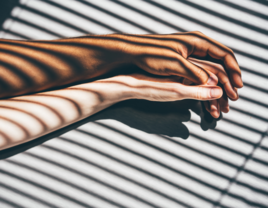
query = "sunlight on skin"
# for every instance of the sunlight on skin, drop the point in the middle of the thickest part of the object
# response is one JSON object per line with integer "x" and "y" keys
{"x": 42, "y": 112}
{"x": 214, "y": 107}
{"x": 55, "y": 63}
{"x": 25, "y": 118}
{"x": 29, "y": 69}
{"x": 12, "y": 78}
{"x": 33, "y": 66}
{"x": 15, "y": 133}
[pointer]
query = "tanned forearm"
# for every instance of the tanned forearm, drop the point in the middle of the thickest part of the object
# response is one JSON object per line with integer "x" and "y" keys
{"x": 32, "y": 66}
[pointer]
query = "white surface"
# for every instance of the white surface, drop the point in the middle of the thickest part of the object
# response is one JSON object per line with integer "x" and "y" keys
{"x": 121, "y": 166}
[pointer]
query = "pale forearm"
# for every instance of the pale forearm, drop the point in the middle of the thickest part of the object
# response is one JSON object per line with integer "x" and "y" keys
{"x": 25, "y": 118}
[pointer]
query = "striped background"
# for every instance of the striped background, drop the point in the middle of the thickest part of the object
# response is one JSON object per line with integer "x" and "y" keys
{"x": 109, "y": 163}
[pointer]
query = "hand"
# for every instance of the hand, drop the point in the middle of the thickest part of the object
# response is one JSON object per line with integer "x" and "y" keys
{"x": 214, "y": 107}
{"x": 139, "y": 86}
{"x": 27, "y": 117}
{"x": 32, "y": 66}
{"x": 167, "y": 55}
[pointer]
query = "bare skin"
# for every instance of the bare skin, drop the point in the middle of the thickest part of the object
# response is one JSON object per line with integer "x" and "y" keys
{"x": 34, "y": 66}
{"x": 24, "y": 118}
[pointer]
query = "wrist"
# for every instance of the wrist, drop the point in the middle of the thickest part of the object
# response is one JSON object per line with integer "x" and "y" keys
{"x": 113, "y": 90}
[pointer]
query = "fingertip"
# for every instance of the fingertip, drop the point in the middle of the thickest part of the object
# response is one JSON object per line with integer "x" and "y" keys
{"x": 214, "y": 108}
{"x": 215, "y": 114}
{"x": 237, "y": 80}
{"x": 212, "y": 80}
{"x": 225, "y": 109}
{"x": 231, "y": 91}
{"x": 216, "y": 92}
{"x": 235, "y": 98}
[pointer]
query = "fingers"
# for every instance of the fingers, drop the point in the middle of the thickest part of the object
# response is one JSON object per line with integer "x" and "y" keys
{"x": 201, "y": 92}
{"x": 213, "y": 107}
{"x": 192, "y": 72}
{"x": 166, "y": 62}
{"x": 204, "y": 46}
{"x": 224, "y": 103}
{"x": 158, "y": 89}
{"x": 184, "y": 45}
{"x": 219, "y": 71}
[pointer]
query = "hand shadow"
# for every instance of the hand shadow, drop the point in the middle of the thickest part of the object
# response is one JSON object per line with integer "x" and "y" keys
{"x": 164, "y": 118}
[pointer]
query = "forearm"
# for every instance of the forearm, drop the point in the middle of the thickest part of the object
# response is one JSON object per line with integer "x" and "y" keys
{"x": 25, "y": 118}
{"x": 32, "y": 66}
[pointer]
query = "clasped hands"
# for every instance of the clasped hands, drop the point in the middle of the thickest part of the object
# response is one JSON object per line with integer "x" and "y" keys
{"x": 180, "y": 75}
{"x": 40, "y": 81}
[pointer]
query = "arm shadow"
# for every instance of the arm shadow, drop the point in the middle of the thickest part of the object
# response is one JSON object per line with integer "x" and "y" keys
{"x": 164, "y": 118}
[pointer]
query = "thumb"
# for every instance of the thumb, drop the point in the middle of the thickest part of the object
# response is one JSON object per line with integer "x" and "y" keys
{"x": 201, "y": 92}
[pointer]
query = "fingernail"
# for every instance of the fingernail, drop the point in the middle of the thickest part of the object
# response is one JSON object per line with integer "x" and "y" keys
{"x": 210, "y": 81}
{"x": 215, "y": 92}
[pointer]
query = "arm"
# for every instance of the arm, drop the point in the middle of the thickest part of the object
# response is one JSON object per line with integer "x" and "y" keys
{"x": 32, "y": 66}
{"x": 25, "y": 118}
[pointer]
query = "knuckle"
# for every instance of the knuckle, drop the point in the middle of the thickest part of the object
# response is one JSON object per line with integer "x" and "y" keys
{"x": 178, "y": 92}
{"x": 199, "y": 92}
{"x": 230, "y": 52}
{"x": 183, "y": 49}
{"x": 202, "y": 93}
{"x": 198, "y": 33}
{"x": 201, "y": 75}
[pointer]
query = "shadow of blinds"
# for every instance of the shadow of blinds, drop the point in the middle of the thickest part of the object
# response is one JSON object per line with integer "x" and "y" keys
{"x": 108, "y": 164}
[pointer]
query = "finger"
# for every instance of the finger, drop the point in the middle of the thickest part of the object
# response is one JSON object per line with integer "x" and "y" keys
{"x": 187, "y": 81}
{"x": 214, "y": 108}
{"x": 202, "y": 92}
{"x": 204, "y": 46}
{"x": 213, "y": 79}
{"x": 207, "y": 105}
{"x": 188, "y": 70}
{"x": 218, "y": 70}
{"x": 224, "y": 103}
{"x": 158, "y": 89}
{"x": 193, "y": 72}
{"x": 166, "y": 62}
